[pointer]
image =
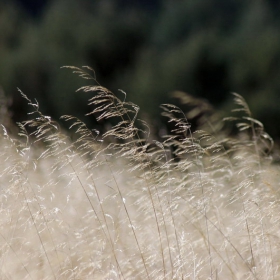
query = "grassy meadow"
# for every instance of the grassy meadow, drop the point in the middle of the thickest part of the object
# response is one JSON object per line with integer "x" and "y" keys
{"x": 118, "y": 204}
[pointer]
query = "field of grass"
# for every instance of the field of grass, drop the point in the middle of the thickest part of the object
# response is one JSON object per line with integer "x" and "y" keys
{"x": 81, "y": 204}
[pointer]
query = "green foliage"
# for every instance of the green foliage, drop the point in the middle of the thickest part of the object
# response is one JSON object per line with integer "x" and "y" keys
{"x": 206, "y": 48}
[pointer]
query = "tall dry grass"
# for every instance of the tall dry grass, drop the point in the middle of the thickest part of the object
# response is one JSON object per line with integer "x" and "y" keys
{"x": 120, "y": 205}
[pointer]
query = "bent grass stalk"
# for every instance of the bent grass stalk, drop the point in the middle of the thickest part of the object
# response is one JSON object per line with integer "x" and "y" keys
{"x": 115, "y": 206}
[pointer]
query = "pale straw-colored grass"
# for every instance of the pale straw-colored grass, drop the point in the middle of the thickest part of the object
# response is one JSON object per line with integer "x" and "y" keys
{"x": 91, "y": 208}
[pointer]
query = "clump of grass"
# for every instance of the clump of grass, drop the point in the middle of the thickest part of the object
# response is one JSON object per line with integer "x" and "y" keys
{"x": 120, "y": 205}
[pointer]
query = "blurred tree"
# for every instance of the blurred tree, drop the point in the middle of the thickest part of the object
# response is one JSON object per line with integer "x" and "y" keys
{"x": 33, "y": 7}
{"x": 147, "y": 48}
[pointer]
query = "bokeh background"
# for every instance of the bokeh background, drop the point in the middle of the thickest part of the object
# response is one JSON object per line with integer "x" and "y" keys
{"x": 147, "y": 48}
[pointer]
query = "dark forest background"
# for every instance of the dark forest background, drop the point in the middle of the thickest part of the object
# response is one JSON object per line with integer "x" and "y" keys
{"x": 208, "y": 48}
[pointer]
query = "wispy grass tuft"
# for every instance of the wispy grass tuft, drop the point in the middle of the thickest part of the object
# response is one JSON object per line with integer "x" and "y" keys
{"x": 120, "y": 205}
